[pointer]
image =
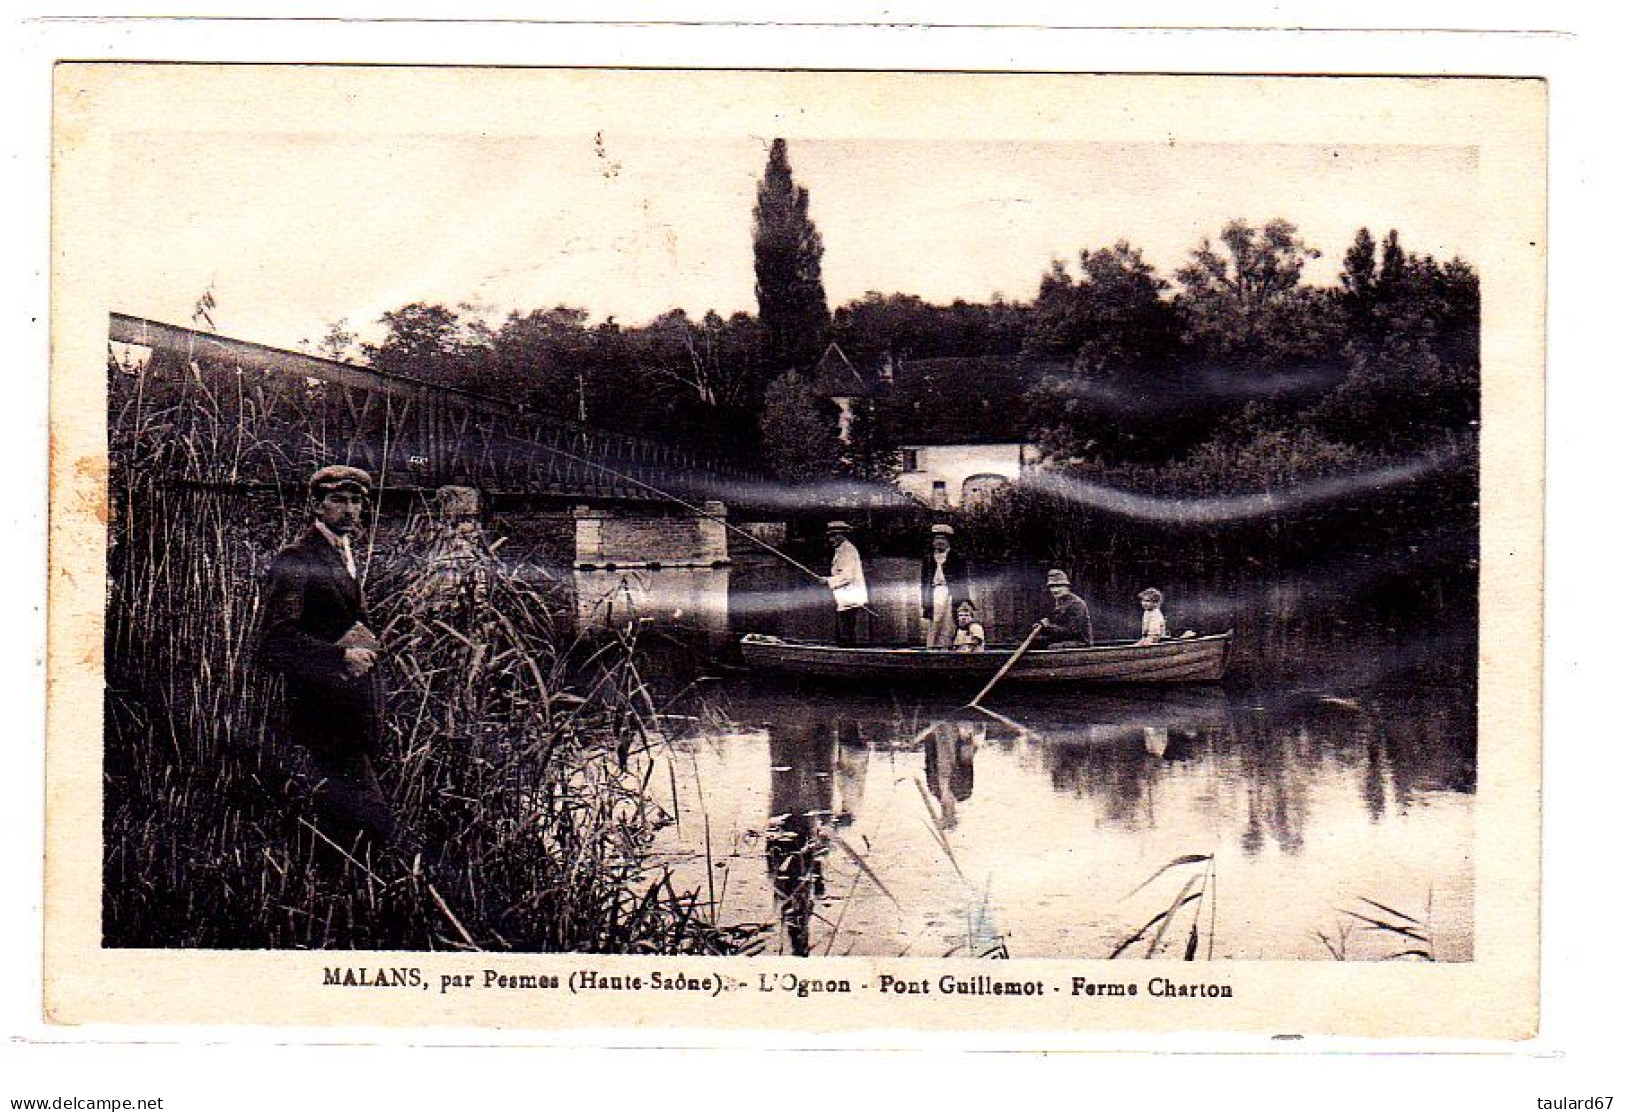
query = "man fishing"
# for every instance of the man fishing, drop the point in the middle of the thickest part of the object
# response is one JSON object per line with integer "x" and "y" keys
{"x": 845, "y": 580}
{"x": 316, "y": 637}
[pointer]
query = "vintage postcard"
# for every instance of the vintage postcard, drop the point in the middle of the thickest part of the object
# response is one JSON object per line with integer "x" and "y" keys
{"x": 806, "y": 551}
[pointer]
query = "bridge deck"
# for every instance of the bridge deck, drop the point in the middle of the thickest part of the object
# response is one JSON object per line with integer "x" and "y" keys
{"x": 289, "y": 412}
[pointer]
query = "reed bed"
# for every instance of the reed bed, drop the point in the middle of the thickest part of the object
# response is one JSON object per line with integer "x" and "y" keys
{"x": 1381, "y": 933}
{"x": 1200, "y": 888}
{"x": 519, "y": 758}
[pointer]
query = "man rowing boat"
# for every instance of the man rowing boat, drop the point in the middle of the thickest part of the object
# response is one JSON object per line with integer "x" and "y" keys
{"x": 1068, "y": 625}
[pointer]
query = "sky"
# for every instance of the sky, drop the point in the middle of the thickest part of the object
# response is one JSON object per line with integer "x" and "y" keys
{"x": 311, "y": 221}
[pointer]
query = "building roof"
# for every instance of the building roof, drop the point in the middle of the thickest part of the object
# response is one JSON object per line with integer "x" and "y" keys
{"x": 834, "y": 376}
{"x": 978, "y": 400}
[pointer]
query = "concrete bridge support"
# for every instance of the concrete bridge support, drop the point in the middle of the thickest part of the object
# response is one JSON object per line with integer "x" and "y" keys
{"x": 613, "y": 539}
{"x": 670, "y": 568}
{"x": 455, "y": 567}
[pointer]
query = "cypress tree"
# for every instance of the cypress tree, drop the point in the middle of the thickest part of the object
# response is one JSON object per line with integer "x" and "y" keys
{"x": 792, "y": 308}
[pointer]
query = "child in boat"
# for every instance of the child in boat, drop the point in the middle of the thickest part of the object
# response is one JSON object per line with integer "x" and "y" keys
{"x": 968, "y": 635}
{"x": 1153, "y": 627}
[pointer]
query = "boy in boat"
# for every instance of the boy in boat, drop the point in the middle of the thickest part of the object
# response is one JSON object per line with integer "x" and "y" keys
{"x": 968, "y": 637}
{"x": 1153, "y": 627}
{"x": 1068, "y": 625}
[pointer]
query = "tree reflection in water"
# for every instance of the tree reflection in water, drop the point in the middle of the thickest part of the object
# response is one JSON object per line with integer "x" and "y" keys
{"x": 1339, "y": 760}
{"x": 1108, "y": 762}
{"x": 819, "y": 766}
{"x": 1267, "y": 779}
{"x": 1275, "y": 766}
{"x": 1272, "y": 755}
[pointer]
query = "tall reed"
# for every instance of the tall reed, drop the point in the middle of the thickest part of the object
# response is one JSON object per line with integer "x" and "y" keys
{"x": 519, "y": 764}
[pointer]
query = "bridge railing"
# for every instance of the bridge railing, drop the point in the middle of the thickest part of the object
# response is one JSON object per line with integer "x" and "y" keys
{"x": 267, "y": 415}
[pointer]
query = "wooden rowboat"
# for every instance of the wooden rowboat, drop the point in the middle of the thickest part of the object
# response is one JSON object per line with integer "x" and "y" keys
{"x": 1182, "y": 660}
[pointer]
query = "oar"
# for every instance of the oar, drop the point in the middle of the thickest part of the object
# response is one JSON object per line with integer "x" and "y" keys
{"x": 1011, "y": 663}
{"x": 1021, "y": 731}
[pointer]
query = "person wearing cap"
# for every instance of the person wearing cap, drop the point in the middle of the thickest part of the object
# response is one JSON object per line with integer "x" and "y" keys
{"x": 942, "y": 588}
{"x": 315, "y": 635}
{"x": 1068, "y": 624}
{"x": 1153, "y": 626}
{"x": 845, "y": 581}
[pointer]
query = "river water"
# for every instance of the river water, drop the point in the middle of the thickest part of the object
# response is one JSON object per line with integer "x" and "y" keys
{"x": 1326, "y": 787}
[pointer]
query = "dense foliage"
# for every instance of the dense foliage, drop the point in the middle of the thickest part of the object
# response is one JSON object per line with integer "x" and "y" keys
{"x": 1313, "y": 416}
{"x": 1109, "y": 364}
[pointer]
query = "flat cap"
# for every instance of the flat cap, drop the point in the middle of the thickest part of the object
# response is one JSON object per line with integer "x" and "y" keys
{"x": 942, "y": 530}
{"x": 1057, "y": 578}
{"x": 340, "y": 477}
{"x": 837, "y": 527}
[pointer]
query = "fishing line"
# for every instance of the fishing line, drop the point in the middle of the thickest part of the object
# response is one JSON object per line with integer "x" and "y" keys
{"x": 689, "y": 506}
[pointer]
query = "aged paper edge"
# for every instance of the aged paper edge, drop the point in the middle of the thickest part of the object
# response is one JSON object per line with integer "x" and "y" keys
{"x": 1494, "y": 996}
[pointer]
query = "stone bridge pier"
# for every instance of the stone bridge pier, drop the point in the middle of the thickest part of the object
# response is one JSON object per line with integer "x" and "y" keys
{"x": 629, "y": 563}
{"x": 612, "y": 539}
{"x": 665, "y": 568}
{"x": 668, "y": 568}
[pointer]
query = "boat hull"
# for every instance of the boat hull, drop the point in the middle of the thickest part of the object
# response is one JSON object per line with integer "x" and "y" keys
{"x": 1185, "y": 660}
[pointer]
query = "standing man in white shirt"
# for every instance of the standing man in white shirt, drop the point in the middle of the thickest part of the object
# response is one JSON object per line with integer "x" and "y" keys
{"x": 845, "y": 580}
{"x": 942, "y": 588}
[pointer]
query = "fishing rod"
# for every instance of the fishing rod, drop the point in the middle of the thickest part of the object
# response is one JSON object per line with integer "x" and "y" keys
{"x": 689, "y": 506}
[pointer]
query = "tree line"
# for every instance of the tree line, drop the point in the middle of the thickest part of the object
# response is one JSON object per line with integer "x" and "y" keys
{"x": 1234, "y": 365}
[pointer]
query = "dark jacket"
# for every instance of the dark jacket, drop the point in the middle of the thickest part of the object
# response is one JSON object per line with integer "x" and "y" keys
{"x": 310, "y": 602}
{"x": 953, "y": 570}
{"x": 1069, "y": 621}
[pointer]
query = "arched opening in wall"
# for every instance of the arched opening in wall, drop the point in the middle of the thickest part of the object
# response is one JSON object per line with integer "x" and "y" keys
{"x": 978, "y": 490}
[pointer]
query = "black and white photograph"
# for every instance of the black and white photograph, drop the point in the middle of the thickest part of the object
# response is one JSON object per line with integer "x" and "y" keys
{"x": 865, "y": 536}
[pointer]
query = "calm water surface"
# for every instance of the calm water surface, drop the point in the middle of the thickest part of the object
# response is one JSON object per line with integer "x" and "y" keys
{"x": 890, "y": 822}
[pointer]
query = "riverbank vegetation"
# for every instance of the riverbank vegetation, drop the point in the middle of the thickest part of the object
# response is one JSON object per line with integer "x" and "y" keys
{"x": 1230, "y": 421}
{"x": 1232, "y": 374}
{"x": 1233, "y": 421}
{"x": 518, "y": 762}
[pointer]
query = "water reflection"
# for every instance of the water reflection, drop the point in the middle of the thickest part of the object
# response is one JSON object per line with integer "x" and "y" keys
{"x": 1276, "y": 766}
{"x": 950, "y": 765}
{"x": 802, "y": 755}
{"x": 1156, "y": 740}
{"x": 894, "y": 823}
